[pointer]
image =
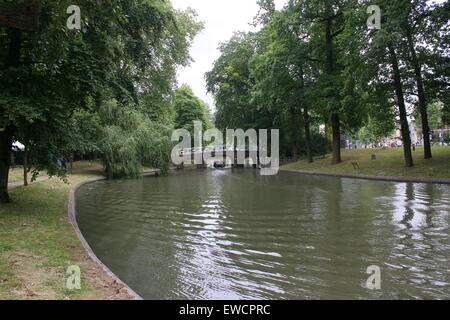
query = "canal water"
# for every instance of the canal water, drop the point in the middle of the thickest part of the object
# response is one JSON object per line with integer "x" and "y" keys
{"x": 233, "y": 234}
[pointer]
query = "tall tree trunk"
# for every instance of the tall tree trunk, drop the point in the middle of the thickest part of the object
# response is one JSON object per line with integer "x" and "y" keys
{"x": 25, "y": 166}
{"x": 422, "y": 98}
{"x": 334, "y": 117}
{"x": 294, "y": 151}
{"x": 294, "y": 127}
{"x": 306, "y": 119}
{"x": 402, "y": 108}
{"x": 336, "y": 126}
{"x": 71, "y": 162}
{"x": 5, "y": 159}
{"x": 307, "y": 135}
{"x": 6, "y": 136}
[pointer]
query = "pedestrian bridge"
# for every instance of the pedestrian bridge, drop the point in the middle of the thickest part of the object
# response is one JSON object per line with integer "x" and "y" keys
{"x": 205, "y": 156}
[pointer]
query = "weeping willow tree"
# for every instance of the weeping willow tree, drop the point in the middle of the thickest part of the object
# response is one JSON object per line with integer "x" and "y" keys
{"x": 129, "y": 141}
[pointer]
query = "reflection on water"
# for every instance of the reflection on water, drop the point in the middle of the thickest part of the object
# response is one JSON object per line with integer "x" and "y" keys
{"x": 222, "y": 234}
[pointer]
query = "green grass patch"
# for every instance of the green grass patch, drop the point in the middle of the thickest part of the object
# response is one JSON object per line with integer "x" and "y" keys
{"x": 38, "y": 243}
{"x": 15, "y": 175}
{"x": 87, "y": 164}
{"x": 389, "y": 162}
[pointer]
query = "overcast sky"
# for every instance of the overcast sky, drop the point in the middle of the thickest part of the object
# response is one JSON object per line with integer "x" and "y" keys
{"x": 221, "y": 19}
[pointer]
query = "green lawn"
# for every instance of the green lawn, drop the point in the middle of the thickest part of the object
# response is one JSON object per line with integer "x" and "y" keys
{"x": 389, "y": 162}
{"x": 38, "y": 243}
{"x": 15, "y": 175}
{"x": 86, "y": 164}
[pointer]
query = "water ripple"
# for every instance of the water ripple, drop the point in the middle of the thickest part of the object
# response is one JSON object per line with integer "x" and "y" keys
{"x": 237, "y": 235}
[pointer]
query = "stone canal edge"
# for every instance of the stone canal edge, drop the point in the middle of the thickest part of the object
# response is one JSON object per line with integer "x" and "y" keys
{"x": 73, "y": 219}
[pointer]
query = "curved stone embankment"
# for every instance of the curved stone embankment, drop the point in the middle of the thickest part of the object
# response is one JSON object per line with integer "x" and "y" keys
{"x": 370, "y": 177}
{"x": 73, "y": 220}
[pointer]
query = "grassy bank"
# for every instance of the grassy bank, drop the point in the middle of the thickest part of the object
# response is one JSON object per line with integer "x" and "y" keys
{"x": 389, "y": 162}
{"x": 38, "y": 243}
{"x": 16, "y": 174}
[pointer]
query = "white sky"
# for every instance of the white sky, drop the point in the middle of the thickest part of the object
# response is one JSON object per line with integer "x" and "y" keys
{"x": 221, "y": 19}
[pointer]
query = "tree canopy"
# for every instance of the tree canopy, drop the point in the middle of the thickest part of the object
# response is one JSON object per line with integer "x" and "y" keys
{"x": 317, "y": 63}
{"x": 189, "y": 108}
{"x": 127, "y": 50}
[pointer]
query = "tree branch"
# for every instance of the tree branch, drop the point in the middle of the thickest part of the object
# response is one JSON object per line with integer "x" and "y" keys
{"x": 337, "y": 33}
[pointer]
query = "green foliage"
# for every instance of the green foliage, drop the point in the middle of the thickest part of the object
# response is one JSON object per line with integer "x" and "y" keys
{"x": 278, "y": 72}
{"x": 188, "y": 108}
{"x": 250, "y": 88}
{"x": 446, "y": 137}
{"x": 83, "y": 131}
{"x": 157, "y": 107}
{"x": 320, "y": 144}
{"x": 230, "y": 83}
{"x": 435, "y": 116}
{"x": 266, "y": 79}
{"x": 414, "y": 35}
{"x": 435, "y": 137}
{"x": 320, "y": 56}
{"x": 446, "y": 114}
{"x": 126, "y": 49}
{"x": 375, "y": 130}
{"x": 129, "y": 141}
